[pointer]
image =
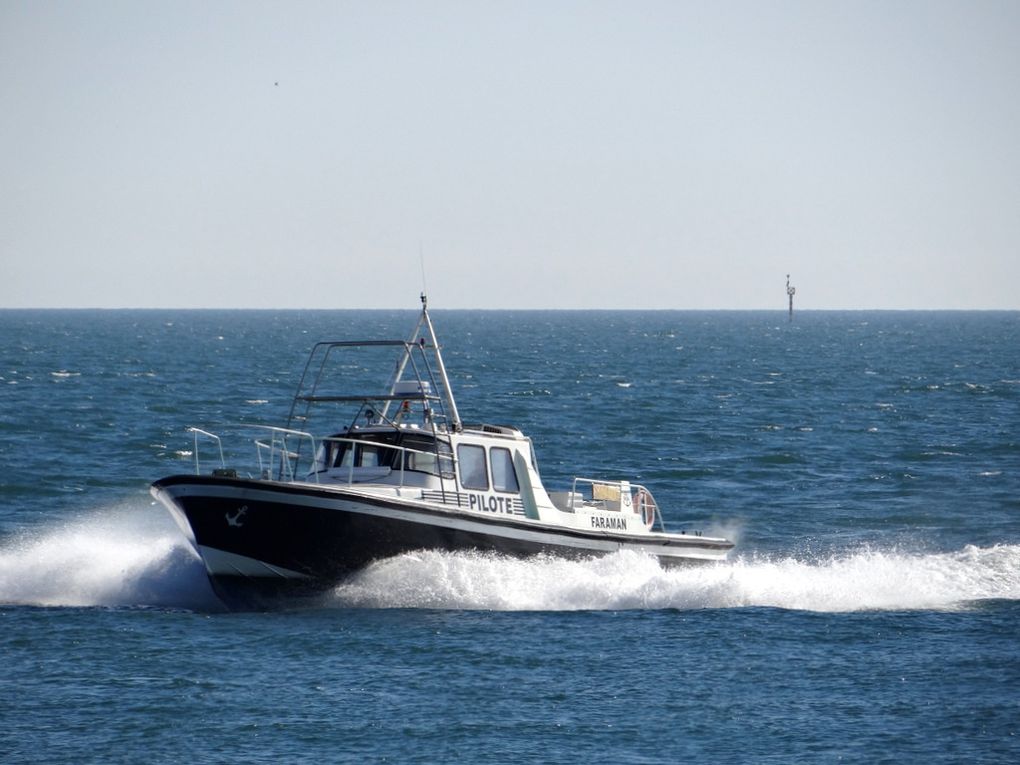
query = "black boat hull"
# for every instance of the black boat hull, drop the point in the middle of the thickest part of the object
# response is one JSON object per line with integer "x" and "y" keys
{"x": 264, "y": 543}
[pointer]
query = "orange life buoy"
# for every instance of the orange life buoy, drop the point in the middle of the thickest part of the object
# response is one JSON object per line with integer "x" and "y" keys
{"x": 644, "y": 506}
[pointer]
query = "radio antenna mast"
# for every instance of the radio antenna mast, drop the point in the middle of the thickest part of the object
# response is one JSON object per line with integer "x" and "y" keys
{"x": 421, "y": 261}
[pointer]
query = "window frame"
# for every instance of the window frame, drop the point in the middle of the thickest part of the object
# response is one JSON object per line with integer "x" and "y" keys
{"x": 512, "y": 471}
{"x": 483, "y": 473}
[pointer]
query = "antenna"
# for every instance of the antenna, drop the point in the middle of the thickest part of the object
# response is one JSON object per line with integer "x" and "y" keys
{"x": 790, "y": 291}
{"x": 421, "y": 260}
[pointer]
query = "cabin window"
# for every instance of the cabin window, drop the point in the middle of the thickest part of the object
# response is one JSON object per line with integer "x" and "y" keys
{"x": 374, "y": 456}
{"x": 422, "y": 462}
{"x": 504, "y": 477}
{"x": 425, "y": 459}
{"x": 345, "y": 454}
{"x": 473, "y": 474}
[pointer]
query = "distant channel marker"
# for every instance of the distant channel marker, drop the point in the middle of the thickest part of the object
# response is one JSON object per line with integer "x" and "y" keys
{"x": 790, "y": 291}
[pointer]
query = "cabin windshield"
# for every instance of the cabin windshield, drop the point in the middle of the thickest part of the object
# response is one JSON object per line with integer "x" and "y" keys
{"x": 425, "y": 454}
{"x": 432, "y": 455}
{"x": 369, "y": 451}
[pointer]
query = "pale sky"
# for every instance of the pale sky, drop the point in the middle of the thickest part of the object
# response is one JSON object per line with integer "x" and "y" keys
{"x": 539, "y": 154}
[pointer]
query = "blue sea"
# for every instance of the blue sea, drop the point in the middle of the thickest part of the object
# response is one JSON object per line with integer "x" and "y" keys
{"x": 866, "y": 463}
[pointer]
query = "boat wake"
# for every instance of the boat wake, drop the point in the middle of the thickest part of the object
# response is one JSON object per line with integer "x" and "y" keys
{"x": 860, "y": 581}
{"x": 131, "y": 556}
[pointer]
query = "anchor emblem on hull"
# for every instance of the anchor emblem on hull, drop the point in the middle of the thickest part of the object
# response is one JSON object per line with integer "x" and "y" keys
{"x": 235, "y": 519}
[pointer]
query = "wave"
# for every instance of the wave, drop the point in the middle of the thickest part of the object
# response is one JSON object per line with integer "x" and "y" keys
{"x": 128, "y": 555}
{"x": 861, "y": 581}
{"x": 133, "y": 555}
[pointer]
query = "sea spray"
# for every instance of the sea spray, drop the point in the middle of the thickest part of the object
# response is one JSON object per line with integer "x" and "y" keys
{"x": 854, "y": 581}
{"x": 133, "y": 555}
{"x": 128, "y": 555}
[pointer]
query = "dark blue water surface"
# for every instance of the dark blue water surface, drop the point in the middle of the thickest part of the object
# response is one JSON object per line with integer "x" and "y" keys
{"x": 868, "y": 464}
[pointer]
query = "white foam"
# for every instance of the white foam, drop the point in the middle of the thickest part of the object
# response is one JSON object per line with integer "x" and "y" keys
{"x": 867, "y": 580}
{"x": 123, "y": 556}
{"x": 133, "y": 555}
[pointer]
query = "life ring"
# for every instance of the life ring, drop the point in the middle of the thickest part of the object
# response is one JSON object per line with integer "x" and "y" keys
{"x": 644, "y": 506}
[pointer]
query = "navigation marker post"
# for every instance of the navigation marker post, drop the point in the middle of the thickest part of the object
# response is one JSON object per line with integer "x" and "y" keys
{"x": 790, "y": 291}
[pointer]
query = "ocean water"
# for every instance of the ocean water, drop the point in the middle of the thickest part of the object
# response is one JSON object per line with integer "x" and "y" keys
{"x": 867, "y": 464}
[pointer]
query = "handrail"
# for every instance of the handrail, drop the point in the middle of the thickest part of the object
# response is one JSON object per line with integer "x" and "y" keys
{"x": 286, "y": 456}
{"x": 278, "y": 448}
{"x": 219, "y": 443}
{"x": 271, "y": 448}
{"x": 619, "y": 487}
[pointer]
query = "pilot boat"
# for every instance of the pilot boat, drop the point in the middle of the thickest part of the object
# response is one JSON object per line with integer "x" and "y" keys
{"x": 405, "y": 474}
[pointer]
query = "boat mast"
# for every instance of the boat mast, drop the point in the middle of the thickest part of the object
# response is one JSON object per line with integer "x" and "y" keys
{"x": 455, "y": 423}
